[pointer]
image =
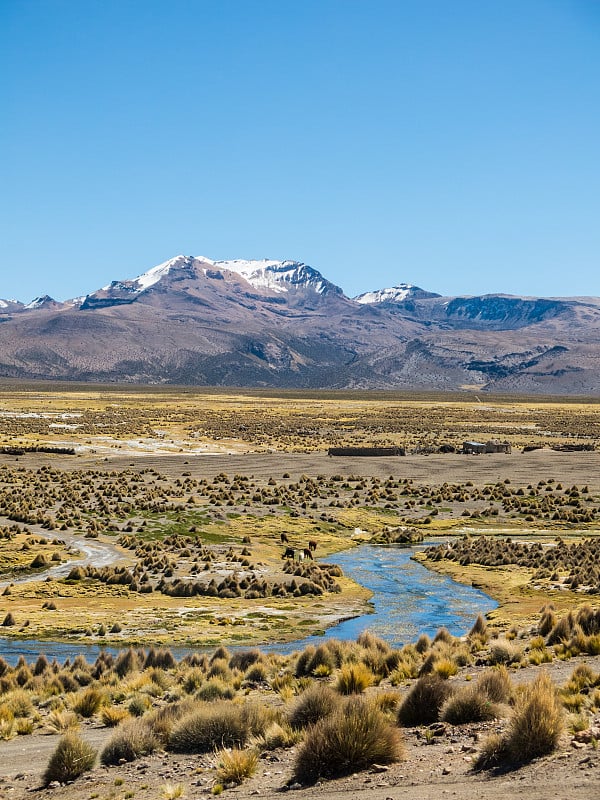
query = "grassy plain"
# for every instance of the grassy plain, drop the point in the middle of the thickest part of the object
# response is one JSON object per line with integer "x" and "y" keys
{"x": 224, "y": 472}
{"x": 176, "y": 502}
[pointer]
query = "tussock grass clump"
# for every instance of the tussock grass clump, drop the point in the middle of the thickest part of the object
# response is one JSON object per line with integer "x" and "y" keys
{"x": 62, "y": 721}
{"x": 162, "y": 720}
{"x": 277, "y": 735}
{"x": 87, "y": 702}
{"x": 537, "y": 721}
{"x": 19, "y": 703}
{"x": 234, "y": 765}
{"x": 445, "y": 667}
{"x": 215, "y": 689}
{"x": 111, "y": 716}
{"x": 423, "y": 701}
{"x": 354, "y": 679}
{"x": 505, "y": 652}
{"x": 495, "y": 684}
{"x": 479, "y": 629}
{"x": 71, "y": 759}
{"x": 534, "y": 729}
{"x": 468, "y": 704}
{"x": 315, "y": 703}
{"x": 210, "y": 725}
{"x": 131, "y": 740}
{"x": 354, "y": 737}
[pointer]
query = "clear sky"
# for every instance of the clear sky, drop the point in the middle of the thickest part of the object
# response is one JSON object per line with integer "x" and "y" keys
{"x": 453, "y": 144}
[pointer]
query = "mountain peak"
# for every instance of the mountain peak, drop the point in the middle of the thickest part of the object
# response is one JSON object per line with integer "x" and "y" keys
{"x": 269, "y": 274}
{"x": 394, "y": 294}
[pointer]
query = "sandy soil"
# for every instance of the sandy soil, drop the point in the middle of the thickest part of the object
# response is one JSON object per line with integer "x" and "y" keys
{"x": 520, "y": 468}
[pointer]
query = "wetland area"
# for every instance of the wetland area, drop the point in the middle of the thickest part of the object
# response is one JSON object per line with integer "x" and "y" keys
{"x": 195, "y": 526}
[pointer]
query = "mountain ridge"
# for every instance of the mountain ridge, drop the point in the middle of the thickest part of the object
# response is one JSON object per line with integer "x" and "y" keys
{"x": 193, "y": 320}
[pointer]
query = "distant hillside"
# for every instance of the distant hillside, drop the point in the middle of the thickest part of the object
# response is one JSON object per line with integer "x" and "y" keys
{"x": 283, "y": 324}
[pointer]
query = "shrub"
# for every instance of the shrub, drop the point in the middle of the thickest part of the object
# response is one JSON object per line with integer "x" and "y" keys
{"x": 322, "y": 662}
{"x": 162, "y": 720}
{"x": 138, "y": 705}
{"x": 443, "y": 635}
{"x": 244, "y": 659}
{"x": 127, "y": 661}
{"x": 314, "y": 703}
{"x": 354, "y": 679}
{"x": 111, "y": 716}
{"x": 504, "y": 653}
{"x": 354, "y": 737}
{"x": 492, "y": 752}
{"x": 87, "y": 702}
{"x": 215, "y": 689}
{"x": 537, "y": 721}
{"x": 131, "y": 740}
{"x": 479, "y": 628}
{"x": 257, "y": 673}
{"x": 276, "y": 735}
{"x": 423, "y": 701}
{"x": 495, "y": 684}
{"x": 445, "y": 667}
{"x": 62, "y": 721}
{"x": 234, "y": 765}
{"x": 468, "y": 704}
{"x": 208, "y": 726}
{"x": 71, "y": 759}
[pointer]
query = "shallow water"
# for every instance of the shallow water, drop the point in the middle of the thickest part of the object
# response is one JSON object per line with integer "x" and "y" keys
{"x": 407, "y": 600}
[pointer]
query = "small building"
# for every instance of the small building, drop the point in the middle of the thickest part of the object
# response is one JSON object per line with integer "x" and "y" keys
{"x": 366, "y": 451}
{"x": 496, "y": 446}
{"x": 473, "y": 448}
{"x": 491, "y": 446}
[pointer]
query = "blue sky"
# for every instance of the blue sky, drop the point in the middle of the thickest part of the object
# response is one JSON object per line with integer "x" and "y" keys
{"x": 454, "y": 145}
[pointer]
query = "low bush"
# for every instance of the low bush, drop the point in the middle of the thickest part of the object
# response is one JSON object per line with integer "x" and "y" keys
{"x": 88, "y": 702}
{"x": 423, "y": 701}
{"x": 537, "y": 721}
{"x": 215, "y": 689}
{"x": 71, "y": 758}
{"x": 468, "y": 704}
{"x": 131, "y": 740}
{"x": 210, "y": 725}
{"x": 315, "y": 703}
{"x": 354, "y": 679}
{"x": 111, "y": 716}
{"x": 354, "y": 737}
{"x": 234, "y": 765}
{"x": 495, "y": 684}
{"x": 534, "y": 729}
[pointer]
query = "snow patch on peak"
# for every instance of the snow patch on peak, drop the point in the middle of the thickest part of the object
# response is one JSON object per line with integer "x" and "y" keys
{"x": 269, "y": 274}
{"x": 262, "y": 274}
{"x": 395, "y": 294}
{"x": 152, "y": 276}
{"x": 38, "y": 302}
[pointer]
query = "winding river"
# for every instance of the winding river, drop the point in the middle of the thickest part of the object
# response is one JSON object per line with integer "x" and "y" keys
{"x": 408, "y": 600}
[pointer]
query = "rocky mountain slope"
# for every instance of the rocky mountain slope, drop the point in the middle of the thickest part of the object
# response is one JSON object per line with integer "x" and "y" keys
{"x": 269, "y": 323}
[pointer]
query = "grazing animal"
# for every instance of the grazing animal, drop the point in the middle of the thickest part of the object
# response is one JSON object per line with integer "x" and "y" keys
{"x": 307, "y": 553}
{"x": 312, "y": 545}
{"x": 289, "y": 552}
{"x": 284, "y": 538}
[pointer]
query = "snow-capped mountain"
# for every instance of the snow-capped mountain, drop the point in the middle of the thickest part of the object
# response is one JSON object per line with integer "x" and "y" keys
{"x": 44, "y": 301}
{"x": 195, "y": 320}
{"x": 195, "y": 275}
{"x": 395, "y": 294}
